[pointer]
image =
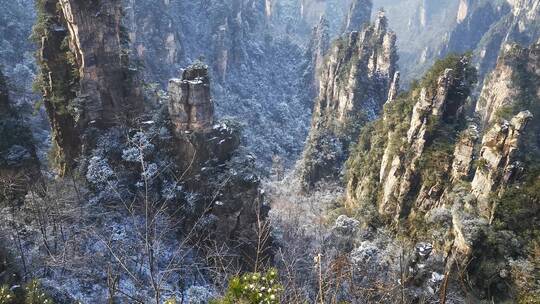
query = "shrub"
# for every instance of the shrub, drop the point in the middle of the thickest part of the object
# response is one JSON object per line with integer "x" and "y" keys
{"x": 32, "y": 294}
{"x": 253, "y": 288}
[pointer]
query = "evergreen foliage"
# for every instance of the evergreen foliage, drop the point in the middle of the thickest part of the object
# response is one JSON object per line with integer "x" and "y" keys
{"x": 253, "y": 288}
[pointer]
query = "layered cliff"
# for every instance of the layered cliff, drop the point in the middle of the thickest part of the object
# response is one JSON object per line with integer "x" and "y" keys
{"x": 162, "y": 184}
{"x": 512, "y": 86}
{"x": 431, "y": 30}
{"x": 486, "y": 26}
{"x": 354, "y": 84}
{"x": 317, "y": 48}
{"x": 85, "y": 76}
{"x": 442, "y": 177}
{"x": 207, "y": 154}
{"x": 358, "y": 15}
{"x": 416, "y": 134}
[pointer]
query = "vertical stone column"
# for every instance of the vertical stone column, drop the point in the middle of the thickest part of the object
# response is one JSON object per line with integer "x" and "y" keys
{"x": 191, "y": 107}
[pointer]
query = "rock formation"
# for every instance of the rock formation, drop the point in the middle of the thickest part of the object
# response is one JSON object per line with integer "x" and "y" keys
{"x": 208, "y": 156}
{"x": 436, "y": 103}
{"x": 502, "y": 92}
{"x": 486, "y": 26}
{"x": 429, "y": 30}
{"x": 354, "y": 84}
{"x": 498, "y": 160}
{"x": 93, "y": 100}
{"x": 85, "y": 75}
{"x": 423, "y": 165}
{"x": 254, "y": 63}
{"x": 315, "y": 54}
{"x": 359, "y": 14}
{"x": 507, "y": 107}
{"x": 190, "y": 106}
{"x": 336, "y": 12}
{"x": 99, "y": 46}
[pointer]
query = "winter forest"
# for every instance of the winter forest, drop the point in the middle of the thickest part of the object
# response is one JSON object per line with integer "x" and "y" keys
{"x": 269, "y": 151}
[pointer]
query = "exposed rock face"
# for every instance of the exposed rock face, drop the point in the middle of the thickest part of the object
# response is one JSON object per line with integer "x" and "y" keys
{"x": 464, "y": 153}
{"x": 433, "y": 29}
{"x": 501, "y": 92}
{"x": 473, "y": 22}
{"x": 421, "y": 26}
{"x": 155, "y": 37}
{"x": 208, "y": 157}
{"x": 190, "y": 105}
{"x": 402, "y": 181}
{"x": 359, "y": 14}
{"x": 508, "y": 107}
{"x": 99, "y": 45}
{"x": 354, "y": 84}
{"x": 253, "y": 62}
{"x": 499, "y": 165}
{"x": 486, "y": 26}
{"x": 335, "y": 10}
{"x": 394, "y": 87}
{"x": 85, "y": 75}
{"x": 407, "y": 148}
{"x": 428, "y": 173}
{"x": 315, "y": 54}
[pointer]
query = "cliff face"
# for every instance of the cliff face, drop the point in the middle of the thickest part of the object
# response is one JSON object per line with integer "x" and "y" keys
{"x": 255, "y": 64}
{"x": 413, "y": 144}
{"x": 166, "y": 37}
{"x": 317, "y": 48}
{"x": 208, "y": 156}
{"x": 425, "y": 158}
{"x": 486, "y": 26}
{"x": 421, "y": 26}
{"x": 85, "y": 74}
{"x": 187, "y": 180}
{"x": 499, "y": 161}
{"x": 99, "y": 45}
{"x": 359, "y": 14}
{"x": 354, "y": 83}
{"x": 94, "y": 101}
{"x": 433, "y": 29}
{"x": 191, "y": 107}
{"x": 335, "y": 10}
{"x": 503, "y": 91}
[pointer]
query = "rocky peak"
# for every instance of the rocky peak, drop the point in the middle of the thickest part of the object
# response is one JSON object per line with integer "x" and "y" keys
{"x": 100, "y": 48}
{"x": 190, "y": 104}
{"x": 238, "y": 20}
{"x": 394, "y": 87}
{"x": 86, "y": 79}
{"x": 421, "y": 165}
{"x": 316, "y": 51}
{"x": 381, "y": 23}
{"x": 464, "y": 153}
{"x": 359, "y": 14}
{"x": 355, "y": 80}
{"x": 407, "y": 141}
{"x": 499, "y": 163}
{"x": 502, "y": 92}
